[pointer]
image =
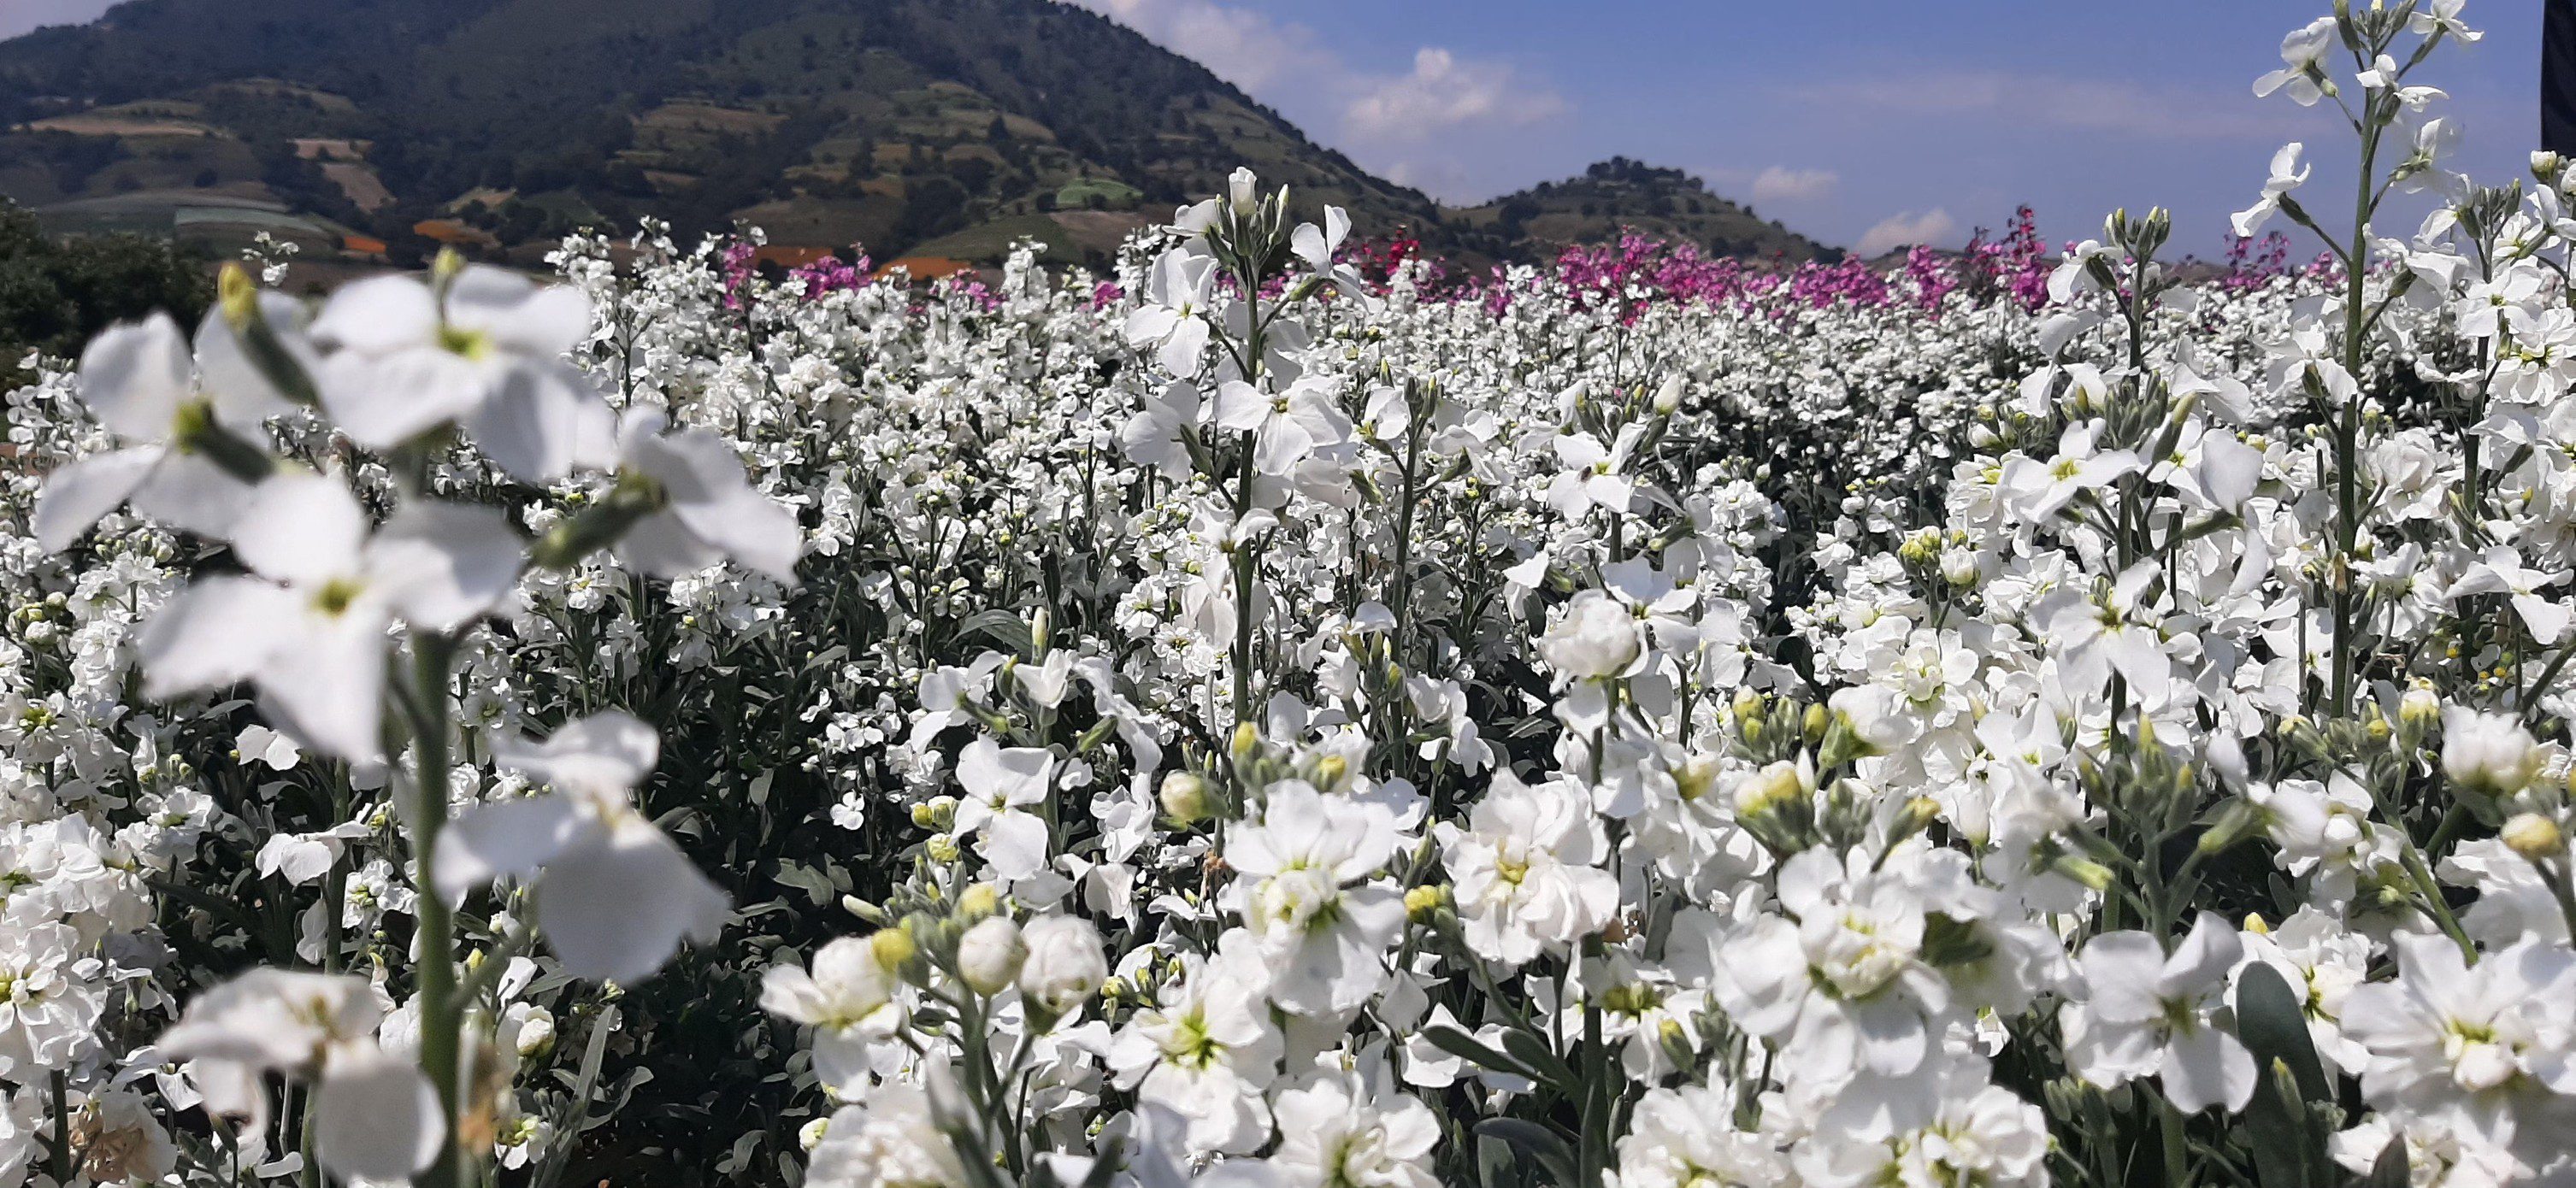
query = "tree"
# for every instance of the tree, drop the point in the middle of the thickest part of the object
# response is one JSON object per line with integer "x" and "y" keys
{"x": 58, "y": 291}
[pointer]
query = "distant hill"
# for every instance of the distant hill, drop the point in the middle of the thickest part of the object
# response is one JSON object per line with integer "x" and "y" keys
{"x": 1617, "y": 195}
{"x": 944, "y": 128}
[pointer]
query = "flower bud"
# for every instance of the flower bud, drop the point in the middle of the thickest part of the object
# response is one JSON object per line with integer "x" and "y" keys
{"x": 1668, "y": 398}
{"x": 1184, "y": 798}
{"x": 2535, "y": 837}
{"x": 1330, "y": 770}
{"x": 979, "y": 901}
{"x": 1064, "y": 963}
{"x": 990, "y": 954}
{"x": 1780, "y": 783}
{"x": 1420, "y": 902}
{"x": 1246, "y": 741}
{"x": 1959, "y": 567}
{"x": 810, "y": 1135}
{"x": 893, "y": 949}
{"x": 2489, "y": 753}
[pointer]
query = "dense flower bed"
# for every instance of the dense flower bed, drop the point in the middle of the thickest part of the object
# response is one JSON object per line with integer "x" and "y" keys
{"x": 1282, "y": 715}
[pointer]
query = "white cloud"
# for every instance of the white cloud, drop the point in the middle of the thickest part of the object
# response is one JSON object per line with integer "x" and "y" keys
{"x": 1906, "y": 229}
{"x": 1779, "y": 184}
{"x": 1241, "y": 46}
{"x": 1390, "y": 122}
{"x": 1442, "y": 93}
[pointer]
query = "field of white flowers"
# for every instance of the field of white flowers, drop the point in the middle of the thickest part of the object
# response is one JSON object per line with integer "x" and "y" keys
{"x": 1256, "y": 720}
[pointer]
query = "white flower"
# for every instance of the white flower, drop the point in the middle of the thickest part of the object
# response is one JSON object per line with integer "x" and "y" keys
{"x": 1174, "y": 316}
{"x": 890, "y": 1139}
{"x": 703, "y": 509}
{"x": 378, "y": 1116}
{"x": 310, "y": 627}
{"x": 1946, "y": 1127}
{"x": 2147, "y": 1013}
{"x": 403, "y": 358}
{"x": 2489, "y": 753}
{"x": 1596, "y": 637}
{"x": 1334, "y": 1133}
{"x": 1686, "y": 1138}
{"x": 614, "y": 896}
{"x": 1523, "y": 870}
{"x": 1286, "y": 426}
{"x": 2287, "y": 175}
{"x": 851, "y": 1001}
{"x": 51, "y": 999}
{"x": 1308, "y": 896}
{"x": 1842, "y": 984}
{"x": 1064, "y": 966}
{"x": 140, "y": 381}
{"x": 999, "y": 785}
{"x": 2474, "y": 1046}
{"x": 2301, "y": 73}
{"x": 1207, "y": 1049}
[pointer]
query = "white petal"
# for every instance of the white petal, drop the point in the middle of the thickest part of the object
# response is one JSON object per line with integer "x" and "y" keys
{"x": 135, "y": 376}
{"x": 661, "y": 545}
{"x": 442, "y": 564}
{"x": 617, "y": 910}
{"x": 78, "y": 494}
{"x": 301, "y": 528}
{"x": 216, "y": 632}
{"x": 509, "y": 837}
{"x": 376, "y": 1116}
{"x": 325, "y": 683}
{"x": 704, "y": 479}
{"x": 382, "y": 401}
{"x": 543, "y": 421}
{"x": 192, "y": 494}
{"x": 379, "y": 315}
{"x": 243, "y": 394}
{"x": 608, "y": 751}
{"x": 2208, "y": 1067}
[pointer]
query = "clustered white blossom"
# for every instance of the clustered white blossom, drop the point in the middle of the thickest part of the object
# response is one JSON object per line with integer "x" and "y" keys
{"x": 1271, "y": 727}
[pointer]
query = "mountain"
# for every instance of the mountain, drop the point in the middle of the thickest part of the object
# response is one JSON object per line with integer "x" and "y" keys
{"x": 1622, "y": 195}
{"x": 934, "y": 128}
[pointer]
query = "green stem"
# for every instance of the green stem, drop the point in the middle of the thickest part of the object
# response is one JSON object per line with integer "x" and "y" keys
{"x": 441, "y": 1016}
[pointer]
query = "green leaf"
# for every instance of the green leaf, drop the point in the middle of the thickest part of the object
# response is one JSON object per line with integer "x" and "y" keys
{"x": 2276, "y": 1122}
{"x": 1531, "y": 1053}
{"x": 2273, "y": 1022}
{"x": 1538, "y": 1141}
{"x": 1469, "y": 1048}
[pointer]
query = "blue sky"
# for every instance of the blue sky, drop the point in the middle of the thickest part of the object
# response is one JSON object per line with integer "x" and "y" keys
{"x": 1910, "y": 119}
{"x": 1836, "y": 116}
